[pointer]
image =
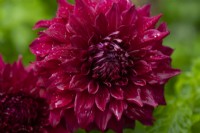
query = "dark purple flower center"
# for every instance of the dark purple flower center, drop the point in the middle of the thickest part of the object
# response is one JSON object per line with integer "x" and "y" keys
{"x": 22, "y": 113}
{"x": 110, "y": 62}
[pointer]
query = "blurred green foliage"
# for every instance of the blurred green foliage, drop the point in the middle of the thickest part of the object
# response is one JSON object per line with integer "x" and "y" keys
{"x": 182, "y": 114}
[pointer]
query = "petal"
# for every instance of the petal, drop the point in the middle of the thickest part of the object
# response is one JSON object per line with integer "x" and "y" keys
{"x": 159, "y": 96}
{"x": 58, "y": 32}
{"x": 63, "y": 9}
{"x": 78, "y": 82}
{"x": 153, "y": 34}
{"x": 54, "y": 117}
{"x": 163, "y": 27}
{"x": 83, "y": 11}
{"x": 138, "y": 81}
{"x": 133, "y": 95}
{"x": 145, "y": 10}
{"x": 101, "y": 24}
{"x": 141, "y": 67}
{"x": 75, "y": 26}
{"x": 78, "y": 42}
{"x": 93, "y": 87}
{"x": 113, "y": 17}
{"x": 155, "y": 55}
{"x": 102, "y": 119}
{"x": 71, "y": 121}
{"x": 168, "y": 73}
{"x": 61, "y": 100}
{"x": 149, "y": 22}
{"x": 43, "y": 24}
{"x": 104, "y": 94}
{"x": 41, "y": 46}
{"x": 129, "y": 17}
{"x": 117, "y": 93}
{"x": 83, "y": 108}
{"x": 117, "y": 108}
{"x": 142, "y": 114}
{"x": 147, "y": 96}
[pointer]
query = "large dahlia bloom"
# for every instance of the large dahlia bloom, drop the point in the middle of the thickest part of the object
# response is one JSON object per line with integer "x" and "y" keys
{"x": 102, "y": 64}
{"x": 21, "y": 108}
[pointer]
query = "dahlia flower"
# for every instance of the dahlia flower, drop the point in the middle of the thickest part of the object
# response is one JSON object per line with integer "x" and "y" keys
{"x": 21, "y": 108}
{"x": 103, "y": 64}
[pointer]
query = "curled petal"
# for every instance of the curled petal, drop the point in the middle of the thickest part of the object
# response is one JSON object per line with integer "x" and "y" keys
{"x": 133, "y": 95}
{"x": 117, "y": 93}
{"x": 93, "y": 87}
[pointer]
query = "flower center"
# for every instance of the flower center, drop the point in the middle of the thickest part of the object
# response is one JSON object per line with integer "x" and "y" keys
{"x": 22, "y": 113}
{"x": 110, "y": 62}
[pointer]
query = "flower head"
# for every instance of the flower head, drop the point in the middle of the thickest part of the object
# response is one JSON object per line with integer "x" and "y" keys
{"x": 21, "y": 108}
{"x": 105, "y": 60}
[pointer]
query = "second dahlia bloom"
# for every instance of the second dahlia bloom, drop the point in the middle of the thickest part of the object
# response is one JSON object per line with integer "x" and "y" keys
{"x": 103, "y": 64}
{"x": 21, "y": 108}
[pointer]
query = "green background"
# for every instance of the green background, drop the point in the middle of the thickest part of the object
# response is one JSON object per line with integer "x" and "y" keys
{"x": 182, "y": 114}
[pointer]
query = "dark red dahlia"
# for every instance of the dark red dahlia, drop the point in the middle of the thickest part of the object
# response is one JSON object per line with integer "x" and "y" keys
{"x": 105, "y": 60}
{"x": 21, "y": 108}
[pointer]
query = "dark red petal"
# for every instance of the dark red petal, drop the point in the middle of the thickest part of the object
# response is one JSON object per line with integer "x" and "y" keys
{"x": 101, "y": 24}
{"x": 144, "y": 11}
{"x": 155, "y": 55}
{"x": 93, "y": 87}
{"x": 58, "y": 32}
{"x": 83, "y": 11}
{"x": 78, "y": 42}
{"x": 54, "y": 117}
{"x": 163, "y": 27}
{"x": 129, "y": 17}
{"x": 102, "y": 119}
{"x": 117, "y": 108}
{"x": 137, "y": 81}
{"x": 75, "y": 26}
{"x": 42, "y": 24}
{"x": 83, "y": 108}
{"x": 117, "y": 93}
{"x": 61, "y": 100}
{"x": 142, "y": 67}
{"x": 113, "y": 18}
{"x": 167, "y": 73}
{"x": 71, "y": 121}
{"x": 142, "y": 114}
{"x": 133, "y": 95}
{"x": 149, "y": 22}
{"x": 153, "y": 34}
{"x": 104, "y": 94}
{"x": 78, "y": 83}
{"x": 118, "y": 126}
{"x": 147, "y": 97}
{"x": 63, "y": 9}
{"x": 158, "y": 95}
{"x": 41, "y": 46}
